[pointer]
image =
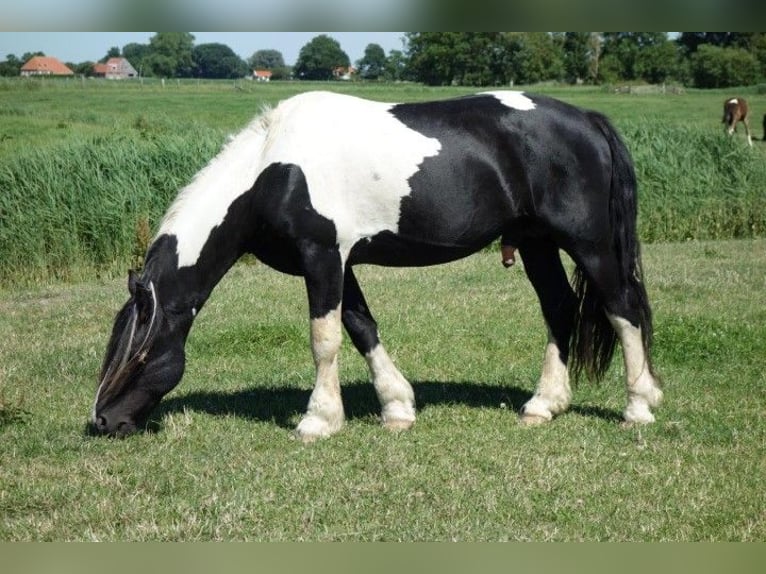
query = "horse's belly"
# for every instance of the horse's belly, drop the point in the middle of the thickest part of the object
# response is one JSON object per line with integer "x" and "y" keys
{"x": 392, "y": 250}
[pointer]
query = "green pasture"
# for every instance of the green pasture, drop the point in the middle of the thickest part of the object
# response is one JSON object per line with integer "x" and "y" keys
{"x": 88, "y": 167}
{"x": 223, "y": 466}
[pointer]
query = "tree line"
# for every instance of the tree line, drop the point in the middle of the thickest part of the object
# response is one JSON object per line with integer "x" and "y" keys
{"x": 698, "y": 59}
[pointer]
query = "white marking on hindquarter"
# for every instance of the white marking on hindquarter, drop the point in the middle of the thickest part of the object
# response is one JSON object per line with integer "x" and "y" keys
{"x": 356, "y": 156}
{"x": 512, "y": 99}
{"x": 733, "y": 101}
{"x": 203, "y": 204}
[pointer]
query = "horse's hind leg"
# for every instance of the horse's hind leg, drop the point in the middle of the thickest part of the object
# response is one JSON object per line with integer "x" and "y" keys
{"x": 396, "y": 397}
{"x": 627, "y": 309}
{"x": 324, "y": 284}
{"x": 746, "y": 121}
{"x": 542, "y": 264}
{"x": 642, "y": 387}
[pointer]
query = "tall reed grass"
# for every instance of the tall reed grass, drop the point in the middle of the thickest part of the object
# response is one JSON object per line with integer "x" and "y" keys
{"x": 697, "y": 184}
{"x": 86, "y": 205}
{"x": 83, "y": 206}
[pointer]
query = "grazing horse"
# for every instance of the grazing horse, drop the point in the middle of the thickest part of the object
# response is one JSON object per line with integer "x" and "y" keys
{"x": 735, "y": 111}
{"x": 397, "y": 185}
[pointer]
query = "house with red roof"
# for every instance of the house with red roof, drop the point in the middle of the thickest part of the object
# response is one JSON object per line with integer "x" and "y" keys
{"x": 343, "y": 72}
{"x": 262, "y": 75}
{"x": 115, "y": 69}
{"x": 45, "y": 66}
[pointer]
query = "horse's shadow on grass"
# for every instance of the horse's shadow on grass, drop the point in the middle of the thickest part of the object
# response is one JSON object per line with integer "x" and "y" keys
{"x": 284, "y": 405}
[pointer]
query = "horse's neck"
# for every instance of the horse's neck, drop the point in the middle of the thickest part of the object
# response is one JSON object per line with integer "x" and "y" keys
{"x": 202, "y": 234}
{"x": 185, "y": 286}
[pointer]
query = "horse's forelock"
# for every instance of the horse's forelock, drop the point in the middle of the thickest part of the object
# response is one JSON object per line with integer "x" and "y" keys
{"x": 122, "y": 353}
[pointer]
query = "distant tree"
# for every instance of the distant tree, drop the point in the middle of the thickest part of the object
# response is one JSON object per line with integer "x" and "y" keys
{"x": 435, "y": 58}
{"x": 594, "y": 51}
{"x": 396, "y": 66}
{"x": 373, "y": 65}
{"x": 114, "y": 52}
{"x": 137, "y": 55}
{"x": 758, "y": 49}
{"x": 29, "y": 55}
{"x": 621, "y": 52}
{"x": 690, "y": 41}
{"x": 536, "y": 58}
{"x": 270, "y": 60}
{"x": 11, "y": 66}
{"x": 81, "y": 69}
{"x": 462, "y": 58}
{"x": 218, "y": 61}
{"x": 576, "y": 56}
{"x": 266, "y": 60}
{"x": 658, "y": 63}
{"x": 484, "y": 58}
{"x": 171, "y": 54}
{"x": 716, "y": 67}
{"x": 318, "y": 59}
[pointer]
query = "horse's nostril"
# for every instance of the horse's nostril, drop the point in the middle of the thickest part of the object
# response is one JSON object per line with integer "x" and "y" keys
{"x": 101, "y": 424}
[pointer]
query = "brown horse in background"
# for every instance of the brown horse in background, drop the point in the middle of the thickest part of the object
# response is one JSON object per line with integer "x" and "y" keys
{"x": 734, "y": 111}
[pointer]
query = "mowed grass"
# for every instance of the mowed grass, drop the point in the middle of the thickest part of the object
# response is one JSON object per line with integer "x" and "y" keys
{"x": 222, "y": 464}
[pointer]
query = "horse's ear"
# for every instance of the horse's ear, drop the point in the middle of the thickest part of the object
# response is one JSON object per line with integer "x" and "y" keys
{"x": 142, "y": 294}
{"x": 132, "y": 282}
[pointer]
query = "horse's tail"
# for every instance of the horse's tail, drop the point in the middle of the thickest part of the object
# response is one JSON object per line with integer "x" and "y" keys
{"x": 594, "y": 339}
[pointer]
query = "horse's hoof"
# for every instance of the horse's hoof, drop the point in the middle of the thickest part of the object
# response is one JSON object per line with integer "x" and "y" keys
{"x": 632, "y": 422}
{"x": 638, "y": 413}
{"x": 528, "y": 420}
{"x": 398, "y": 416}
{"x": 304, "y": 438}
{"x": 312, "y": 428}
{"x": 398, "y": 425}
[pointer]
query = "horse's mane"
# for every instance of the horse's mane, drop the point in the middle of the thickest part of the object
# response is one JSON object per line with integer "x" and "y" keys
{"x": 120, "y": 362}
{"x": 258, "y": 127}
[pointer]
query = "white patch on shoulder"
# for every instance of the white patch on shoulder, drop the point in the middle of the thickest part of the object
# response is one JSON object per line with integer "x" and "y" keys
{"x": 512, "y": 99}
{"x": 733, "y": 101}
{"x": 203, "y": 204}
{"x": 356, "y": 156}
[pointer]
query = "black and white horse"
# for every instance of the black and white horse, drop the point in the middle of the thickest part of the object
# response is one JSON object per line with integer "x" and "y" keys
{"x": 735, "y": 110}
{"x": 324, "y": 182}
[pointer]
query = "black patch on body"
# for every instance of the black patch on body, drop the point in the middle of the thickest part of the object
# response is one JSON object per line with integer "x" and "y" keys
{"x": 274, "y": 220}
{"x": 500, "y": 171}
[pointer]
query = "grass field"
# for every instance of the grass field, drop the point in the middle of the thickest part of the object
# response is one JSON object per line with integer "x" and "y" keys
{"x": 222, "y": 464}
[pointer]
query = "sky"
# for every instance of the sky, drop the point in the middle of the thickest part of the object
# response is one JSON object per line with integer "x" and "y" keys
{"x": 79, "y": 47}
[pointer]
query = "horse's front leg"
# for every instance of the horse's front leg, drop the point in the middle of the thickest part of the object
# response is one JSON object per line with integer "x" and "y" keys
{"x": 324, "y": 284}
{"x": 397, "y": 400}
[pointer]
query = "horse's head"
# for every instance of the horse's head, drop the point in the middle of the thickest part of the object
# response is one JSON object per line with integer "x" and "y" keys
{"x": 144, "y": 361}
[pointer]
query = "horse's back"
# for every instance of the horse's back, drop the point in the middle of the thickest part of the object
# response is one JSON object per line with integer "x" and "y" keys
{"x": 411, "y": 182}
